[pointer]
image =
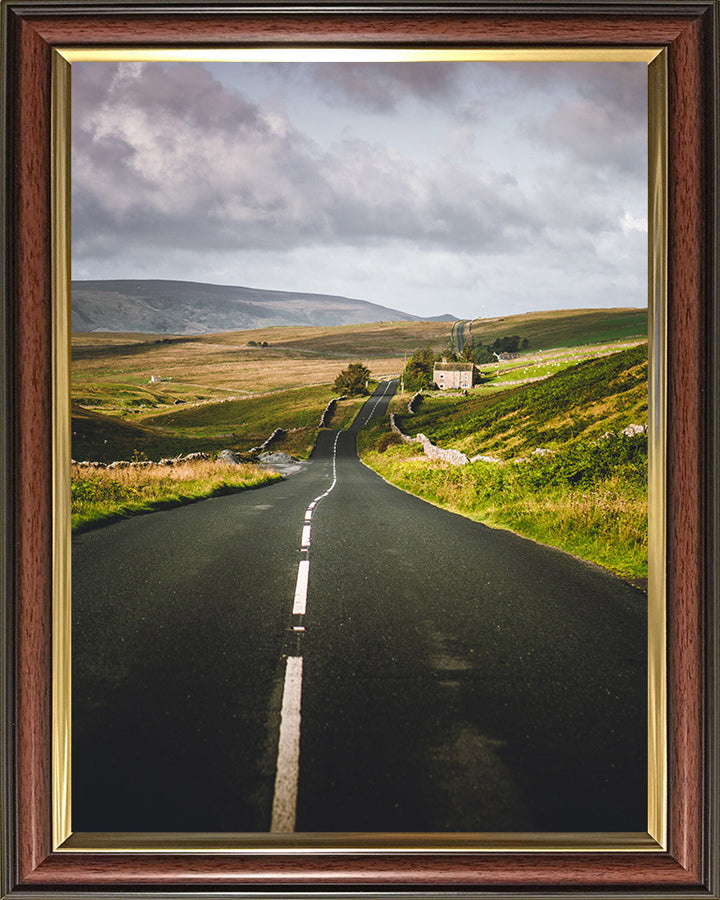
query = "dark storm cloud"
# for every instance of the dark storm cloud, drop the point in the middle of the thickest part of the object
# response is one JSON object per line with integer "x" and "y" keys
{"x": 169, "y": 156}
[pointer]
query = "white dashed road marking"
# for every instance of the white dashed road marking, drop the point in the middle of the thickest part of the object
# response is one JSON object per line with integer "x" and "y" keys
{"x": 288, "y": 760}
{"x": 301, "y": 587}
{"x": 286, "y": 782}
{"x": 370, "y": 414}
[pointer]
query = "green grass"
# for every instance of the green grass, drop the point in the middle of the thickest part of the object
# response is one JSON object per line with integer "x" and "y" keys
{"x": 588, "y": 497}
{"x": 103, "y": 495}
{"x": 255, "y": 417}
{"x": 103, "y": 438}
{"x": 565, "y": 328}
{"x": 583, "y": 401}
{"x": 233, "y": 424}
{"x": 605, "y": 522}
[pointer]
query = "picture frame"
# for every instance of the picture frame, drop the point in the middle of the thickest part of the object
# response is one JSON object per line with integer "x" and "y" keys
{"x": 687, "y": 864}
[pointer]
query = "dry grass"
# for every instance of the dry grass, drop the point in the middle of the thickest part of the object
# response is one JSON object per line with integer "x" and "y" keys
{"x": 201, "y": 369}
{"x": 100, "y": 495}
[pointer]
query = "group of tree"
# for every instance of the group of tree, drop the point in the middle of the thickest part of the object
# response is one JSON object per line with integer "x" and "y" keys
{"x": 418, "y": 372}
{"x": 479, "y": 353}
{"x": 258, "y": 344}
{"x": 510, "y": 344}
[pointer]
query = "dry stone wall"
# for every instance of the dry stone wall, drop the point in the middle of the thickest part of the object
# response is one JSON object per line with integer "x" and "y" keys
{"x": 432, "y": 451}
{"x": 329, "y": 410}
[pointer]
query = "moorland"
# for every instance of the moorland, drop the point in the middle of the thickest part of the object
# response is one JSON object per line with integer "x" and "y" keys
{"x": 549, "y": 422}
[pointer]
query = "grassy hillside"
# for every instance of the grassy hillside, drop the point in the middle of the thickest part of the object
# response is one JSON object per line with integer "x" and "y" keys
{"x": 583, "y": 401}
{"x": 565, "y": 328}
{"x": 248, "y": 422}
{"x": 109, "y": 367}
{"x": 209, "y": 427}
{"x": 183, "y": 393}
{"x": 114, "y": 375}
{"x": 586, "y": 493}
{"x": 104, "y": 438}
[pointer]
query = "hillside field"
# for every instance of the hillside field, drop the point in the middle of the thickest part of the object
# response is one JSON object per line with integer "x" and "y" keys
{"x": 562, "y": 460}
{"x": 583, "y": 375}
{"x": 112, "y": 372}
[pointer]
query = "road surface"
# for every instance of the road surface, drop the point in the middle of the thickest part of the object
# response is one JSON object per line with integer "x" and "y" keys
{"x": 329, "y": 653}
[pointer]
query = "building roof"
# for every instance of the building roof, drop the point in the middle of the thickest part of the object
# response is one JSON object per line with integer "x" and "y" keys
{"x": 454, "y": 367}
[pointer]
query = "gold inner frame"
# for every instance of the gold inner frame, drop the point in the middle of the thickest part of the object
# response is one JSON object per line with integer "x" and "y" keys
{"x": 656, "y": 838}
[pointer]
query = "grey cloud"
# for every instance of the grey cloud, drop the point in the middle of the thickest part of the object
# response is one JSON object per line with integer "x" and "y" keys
{"x": 604, "y": 125}
{"x": 150, "y": 166}
{"x": 620, "y": 82}
{"x": 377, "y": 87}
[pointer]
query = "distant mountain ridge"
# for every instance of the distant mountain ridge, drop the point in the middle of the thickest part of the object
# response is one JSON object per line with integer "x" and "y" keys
{"x": 157, "y": 306}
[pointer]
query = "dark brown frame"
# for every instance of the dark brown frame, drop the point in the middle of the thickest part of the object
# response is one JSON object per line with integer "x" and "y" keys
{"x": 689, "y": 31}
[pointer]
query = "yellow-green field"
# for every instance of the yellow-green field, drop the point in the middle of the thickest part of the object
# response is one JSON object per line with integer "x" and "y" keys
{"x": 100, "y": 495}
{"x": 155, "y": 396}
{"x": 569, "y": 470}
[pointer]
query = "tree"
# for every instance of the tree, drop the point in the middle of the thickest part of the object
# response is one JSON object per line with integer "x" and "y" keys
{"x": 353, "y": 380}
{"x": 419, "y": 370}
{"x": 448, "y": 354}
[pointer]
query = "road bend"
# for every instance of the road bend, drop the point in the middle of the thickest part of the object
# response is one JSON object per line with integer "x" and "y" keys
{"x": 331, "y": 654}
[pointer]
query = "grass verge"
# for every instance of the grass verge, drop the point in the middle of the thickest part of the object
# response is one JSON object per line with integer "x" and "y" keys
{"x": 102, "y": 495}
{"x": 597, "y": 514}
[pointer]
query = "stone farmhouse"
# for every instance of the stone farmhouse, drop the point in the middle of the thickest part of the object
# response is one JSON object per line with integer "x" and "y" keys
{"x": 454, "y": 375}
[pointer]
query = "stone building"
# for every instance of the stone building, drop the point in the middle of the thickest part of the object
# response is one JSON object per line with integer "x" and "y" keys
{"x": 454, "y": 375}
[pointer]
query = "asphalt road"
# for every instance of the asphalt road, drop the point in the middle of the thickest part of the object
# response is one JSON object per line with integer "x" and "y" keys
{"x": 446, "y": 676}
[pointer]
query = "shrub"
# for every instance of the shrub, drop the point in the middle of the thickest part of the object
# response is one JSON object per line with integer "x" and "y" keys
{"x": 387, "y": 440}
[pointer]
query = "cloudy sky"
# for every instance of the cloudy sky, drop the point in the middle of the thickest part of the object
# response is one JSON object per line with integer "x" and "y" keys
{"x": 471, "y": 188}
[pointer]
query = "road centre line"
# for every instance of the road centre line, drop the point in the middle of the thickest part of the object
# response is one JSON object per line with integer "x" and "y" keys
{"x": 288, "y": 758}
{"x": 370, "y": 414}
{"x": 286, "y": 778}
{"x": 301, "y": 588}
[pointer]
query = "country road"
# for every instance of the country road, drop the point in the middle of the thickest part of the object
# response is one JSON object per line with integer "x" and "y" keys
{"x": 330, "y": 654}
{"x": 457, "y": 335}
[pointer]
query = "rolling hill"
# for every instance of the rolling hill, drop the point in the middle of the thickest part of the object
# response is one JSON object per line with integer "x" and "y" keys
{"x": 580, "y": 403}
{"x": 187, "y": 307}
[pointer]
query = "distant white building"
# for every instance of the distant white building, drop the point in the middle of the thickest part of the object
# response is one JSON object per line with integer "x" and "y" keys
{"x": 155, "y": 379}
{"x": 454, "y": 375}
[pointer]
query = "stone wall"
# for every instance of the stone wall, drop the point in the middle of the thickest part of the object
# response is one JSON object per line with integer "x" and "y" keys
{"x": 414, "y": 403}
{"x": 140, "y": 463}
{"x": 329, "y": 410}
{"x": 277, "y": 435}
{"x": 432, "y": 451}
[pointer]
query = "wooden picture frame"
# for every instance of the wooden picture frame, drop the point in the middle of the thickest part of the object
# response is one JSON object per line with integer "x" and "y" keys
{"x": 688, "y": 31}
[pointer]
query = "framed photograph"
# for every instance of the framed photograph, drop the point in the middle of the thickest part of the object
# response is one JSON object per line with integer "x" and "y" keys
{"x": 159, "y": 735}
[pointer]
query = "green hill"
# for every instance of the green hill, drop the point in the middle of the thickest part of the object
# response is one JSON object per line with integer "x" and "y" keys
{"x": 583, "y": 401}
{"x": 585, "y": 491}
{"x": 565, "y": 328}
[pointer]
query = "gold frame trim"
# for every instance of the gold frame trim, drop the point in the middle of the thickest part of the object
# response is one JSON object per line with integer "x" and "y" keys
{"x": 61, "y": 450}
{"x": 355, "y": 54}
{"x": 657, "y": 449}
{"x": 656, "y": 838}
